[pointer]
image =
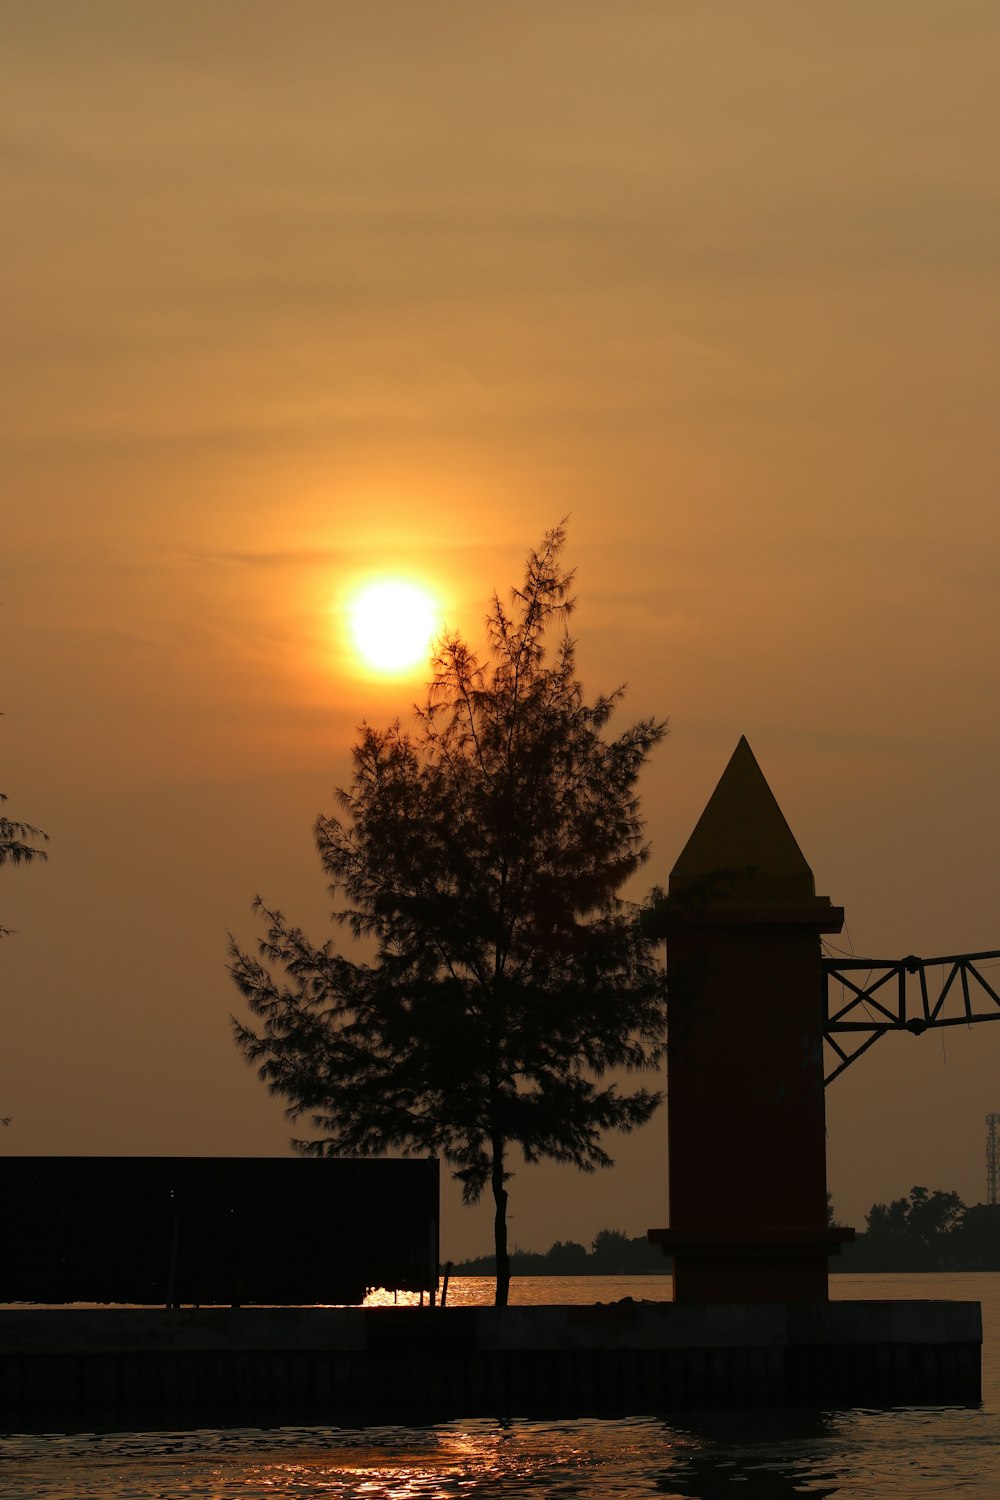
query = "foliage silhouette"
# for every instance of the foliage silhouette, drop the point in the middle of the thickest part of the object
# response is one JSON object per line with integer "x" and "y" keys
{"x": 483, "y": 854}
{"x": 927, "y": 1231}
{"x": 15, "y": 845}
{"x": 15, "y": 849}
{"x": 913, "y": 1231}
{"x": 974, "y": 1244}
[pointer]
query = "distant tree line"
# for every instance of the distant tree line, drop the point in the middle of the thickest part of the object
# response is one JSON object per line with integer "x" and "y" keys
{"x": 611, "y": 1253}
{"x": 928, "y": 1231}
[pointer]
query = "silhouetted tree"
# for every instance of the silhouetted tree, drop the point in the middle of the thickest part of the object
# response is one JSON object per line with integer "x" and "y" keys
{"x": 913, "y": 1233}
{"x": 565, "y": 1258}
{"x": 483, "y": 854}
{"x": 16, "y": 847}
{"x": 611, "y": 1251}
{"x": 975, "y": 1243}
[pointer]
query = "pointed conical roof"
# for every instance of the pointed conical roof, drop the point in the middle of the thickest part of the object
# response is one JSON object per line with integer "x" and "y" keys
{"x": 742, "y": 848}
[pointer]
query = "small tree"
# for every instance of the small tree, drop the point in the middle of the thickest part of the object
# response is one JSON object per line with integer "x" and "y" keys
{"x": 483, "y": 855}
{"x": 15, "y": 845}
{"x": 15, "y": 849}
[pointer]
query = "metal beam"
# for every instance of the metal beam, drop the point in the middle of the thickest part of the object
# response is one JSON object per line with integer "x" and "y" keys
{"x": 949, "y": 991}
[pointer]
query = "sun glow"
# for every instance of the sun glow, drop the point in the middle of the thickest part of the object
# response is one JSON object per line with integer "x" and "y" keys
{"x": 393, "y": 624}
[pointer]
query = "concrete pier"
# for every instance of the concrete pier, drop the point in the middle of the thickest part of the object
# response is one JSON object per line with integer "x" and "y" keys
{"x": 75, "y": 1369}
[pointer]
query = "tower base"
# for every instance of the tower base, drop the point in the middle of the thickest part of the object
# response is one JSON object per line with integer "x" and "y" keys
{"x": 750, "y": 1265}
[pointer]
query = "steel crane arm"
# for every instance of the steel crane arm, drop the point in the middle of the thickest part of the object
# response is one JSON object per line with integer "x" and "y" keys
{"x": 902, "y": 994}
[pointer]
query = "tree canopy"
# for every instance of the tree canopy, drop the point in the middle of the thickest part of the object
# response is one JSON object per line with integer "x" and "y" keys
{"x": 916, "y": 1230}
{"x": 926, "y": 1231}
{"x": 481, "y": 854}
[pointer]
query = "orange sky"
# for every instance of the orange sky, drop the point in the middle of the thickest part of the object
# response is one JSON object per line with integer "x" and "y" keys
{"x": 294, "y": 293}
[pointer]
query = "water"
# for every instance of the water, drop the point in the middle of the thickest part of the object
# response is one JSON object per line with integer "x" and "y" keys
{"x": 908, "y": 1454}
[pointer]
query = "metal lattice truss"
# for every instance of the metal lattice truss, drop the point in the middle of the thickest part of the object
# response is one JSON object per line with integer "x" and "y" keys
{"x": 863, "y": 998}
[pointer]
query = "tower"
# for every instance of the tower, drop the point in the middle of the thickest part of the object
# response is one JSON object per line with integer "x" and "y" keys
{"x": 745, "y": 1100}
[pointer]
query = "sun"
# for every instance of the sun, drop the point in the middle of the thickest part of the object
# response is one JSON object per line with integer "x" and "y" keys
{"x": 393, "y": 624}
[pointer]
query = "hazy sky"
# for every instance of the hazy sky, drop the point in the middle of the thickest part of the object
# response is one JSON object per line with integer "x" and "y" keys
{"x": 298, "y": 293}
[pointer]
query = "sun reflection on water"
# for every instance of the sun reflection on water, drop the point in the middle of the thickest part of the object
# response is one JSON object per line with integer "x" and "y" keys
{"x": 471, "y": 1459}
{"x": 380, "y": 1296}
{"x": 764, "y": 1455}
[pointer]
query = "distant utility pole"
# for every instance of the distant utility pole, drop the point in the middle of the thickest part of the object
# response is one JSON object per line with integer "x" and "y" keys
{"x": 993, "y": 1158}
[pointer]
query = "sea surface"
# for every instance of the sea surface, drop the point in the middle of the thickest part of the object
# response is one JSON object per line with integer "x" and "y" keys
{"x": 911, "y": 1453}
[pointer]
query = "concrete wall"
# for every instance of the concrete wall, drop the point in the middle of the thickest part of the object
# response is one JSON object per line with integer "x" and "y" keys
{"x": 74, "y": 1368}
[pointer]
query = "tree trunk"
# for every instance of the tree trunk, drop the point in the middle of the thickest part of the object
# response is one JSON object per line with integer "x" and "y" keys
{"x": 500, "y": 1227}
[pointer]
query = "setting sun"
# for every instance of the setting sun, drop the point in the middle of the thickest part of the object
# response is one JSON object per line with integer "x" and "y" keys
{"x": 393, "y": 624}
